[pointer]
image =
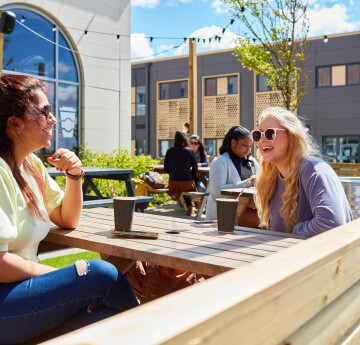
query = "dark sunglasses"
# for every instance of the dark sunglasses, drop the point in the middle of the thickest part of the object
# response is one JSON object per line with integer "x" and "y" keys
{"x": 194, "y": 143}
{"x": 269, "y": 134}
{"x": 46, "y": 111}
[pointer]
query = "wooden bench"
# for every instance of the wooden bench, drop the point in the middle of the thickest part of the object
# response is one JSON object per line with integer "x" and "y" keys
{"x": 142, "y": 202}
{"x": 307, "y": 294}
{"x": 158, "y": 191}
{"x": 346, "y": 169}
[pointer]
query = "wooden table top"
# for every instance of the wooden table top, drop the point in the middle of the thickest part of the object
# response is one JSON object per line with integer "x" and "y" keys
{"x": 180, "y": 245}
{"x": 247, "y": 192}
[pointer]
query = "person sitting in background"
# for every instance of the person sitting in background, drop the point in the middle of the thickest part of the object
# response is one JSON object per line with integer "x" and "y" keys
{"x": 186, "y": 129}
{"x": 200, "y": 151}
{"x": 297, "y": 191}
{"x": 36, "y": 298}
{"x": 180, "y": 163}
{"x": 234, "y": 168}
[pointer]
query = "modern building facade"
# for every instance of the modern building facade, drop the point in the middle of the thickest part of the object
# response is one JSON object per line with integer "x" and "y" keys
{"x": 90, "y": 90}
{"x": 230, "y": 95}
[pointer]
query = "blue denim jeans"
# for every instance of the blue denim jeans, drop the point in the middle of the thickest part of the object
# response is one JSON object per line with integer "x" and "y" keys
{"x": 39, "y": 304}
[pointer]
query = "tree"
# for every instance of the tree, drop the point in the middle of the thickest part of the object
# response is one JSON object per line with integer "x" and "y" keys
{"x": 274, "y": 44}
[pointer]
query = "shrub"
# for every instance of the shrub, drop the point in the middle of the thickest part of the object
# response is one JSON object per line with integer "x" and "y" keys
{"x": 122, "y": 159}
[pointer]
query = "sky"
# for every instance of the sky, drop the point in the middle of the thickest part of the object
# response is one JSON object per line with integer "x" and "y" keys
{"x": 170, "y": 21}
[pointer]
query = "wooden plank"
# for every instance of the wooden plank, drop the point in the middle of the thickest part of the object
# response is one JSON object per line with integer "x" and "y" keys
{"x": 352, "y": 337}
{"x": 260, "y": 303}
{"x": 332, "y": 323}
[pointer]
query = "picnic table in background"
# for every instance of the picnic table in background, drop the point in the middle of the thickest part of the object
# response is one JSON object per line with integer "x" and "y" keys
{"x": 246, "y": 203}
{"x": 203, "y": 174}
{"x": 99, "y": 199}
{"x": 180, "y": 245}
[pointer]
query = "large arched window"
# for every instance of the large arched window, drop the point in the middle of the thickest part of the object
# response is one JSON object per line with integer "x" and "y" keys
{"x": 25, "y": 52}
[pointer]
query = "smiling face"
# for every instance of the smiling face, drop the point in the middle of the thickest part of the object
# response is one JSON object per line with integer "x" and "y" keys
{"x": 242, "y": 147}
{"x": 274, "y": 151}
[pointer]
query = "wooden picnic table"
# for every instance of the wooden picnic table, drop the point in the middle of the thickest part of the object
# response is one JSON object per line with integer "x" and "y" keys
{"x": 202, "y": 173}
{"x": 246, "y": 199}
{"x": 180, "y": 245}
{"x": 91, "y": 173}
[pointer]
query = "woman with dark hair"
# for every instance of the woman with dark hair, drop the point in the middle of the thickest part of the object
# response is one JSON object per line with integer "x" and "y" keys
{"x": 180, "y": 163}
{"x": 36, "y": 298}
{"x": 233, "y": 168}
{"x": 200, "y": 151}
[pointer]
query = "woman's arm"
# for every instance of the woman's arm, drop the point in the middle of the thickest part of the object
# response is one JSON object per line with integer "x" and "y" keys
{"x": 68, "y": 213}
{"x": 326, "y": 198}
{"x": 14, "y": 268}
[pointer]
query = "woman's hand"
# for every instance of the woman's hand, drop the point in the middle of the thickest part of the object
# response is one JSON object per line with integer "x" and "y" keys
{"x": 65, "y": 160}
{"x": 252, "y": 180}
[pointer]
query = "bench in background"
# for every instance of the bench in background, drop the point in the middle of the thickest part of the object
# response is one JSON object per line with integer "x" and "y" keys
{"x": 346, "y": 169}
{"x": 142, "y": 202}
{"x": 306, "y": 294}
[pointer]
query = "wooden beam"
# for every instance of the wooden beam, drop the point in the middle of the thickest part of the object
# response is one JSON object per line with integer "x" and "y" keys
{"x": 193, "y": 87}
{"x": 261, "y": 303}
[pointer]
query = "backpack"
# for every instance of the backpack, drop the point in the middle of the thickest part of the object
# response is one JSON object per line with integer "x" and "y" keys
{"x": 154, "y": 179}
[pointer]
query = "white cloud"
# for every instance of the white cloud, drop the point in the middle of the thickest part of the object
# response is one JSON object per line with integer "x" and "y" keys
{"x": 226, "y": 42}
{"x": 331, "y": 20}
{"x": 145, "y": 3}
{"x": 220, "y": 7}
{"x": 140, "y": 47}
{"x": 185, "y": 1}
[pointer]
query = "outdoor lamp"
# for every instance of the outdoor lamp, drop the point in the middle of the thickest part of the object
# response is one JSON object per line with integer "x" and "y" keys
{"x": 7, "y": 22}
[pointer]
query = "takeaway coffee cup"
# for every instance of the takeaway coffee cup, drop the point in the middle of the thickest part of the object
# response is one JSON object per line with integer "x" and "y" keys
{"x": 124, "y": 208}
{"x": 226, "y": 214}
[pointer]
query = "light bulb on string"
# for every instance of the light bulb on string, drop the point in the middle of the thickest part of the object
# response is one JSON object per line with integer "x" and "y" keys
{"x": 118, "y": 37}
{"x": 85, "y": 32}
{"x": 289, "y": 41}
{"x": 54, "y": 28}
{"x": 22, "y": 20}
{"x": 326, "y": 40}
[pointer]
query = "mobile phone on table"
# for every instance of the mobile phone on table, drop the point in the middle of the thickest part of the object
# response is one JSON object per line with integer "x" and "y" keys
{"x": 135, "y": 234}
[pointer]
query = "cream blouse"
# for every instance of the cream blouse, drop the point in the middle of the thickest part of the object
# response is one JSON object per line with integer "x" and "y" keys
{"x": 19, "y": 232}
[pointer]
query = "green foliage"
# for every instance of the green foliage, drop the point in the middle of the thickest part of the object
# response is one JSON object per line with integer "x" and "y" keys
{"x": 122, "y": 159}
{"x": 280, "y": 28}
{"x": 67, "y": 260}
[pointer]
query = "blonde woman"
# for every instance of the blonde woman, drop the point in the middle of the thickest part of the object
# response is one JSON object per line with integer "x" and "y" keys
{"x": 297, "y": 192}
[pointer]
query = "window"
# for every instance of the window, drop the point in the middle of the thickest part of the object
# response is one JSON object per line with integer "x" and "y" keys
{"x": 140, "y": 146}
{"x": 323, "y": 76}
{"x": 140, "y": 101}
{"x": 211, "y": 147}
{"x": 174, "y": 90}
{"x": 353, "y": 74}
{"x": 210, "y": 87}
{"x": 262, "y": 84}
{"x": 232, "y": 85}
{"x": 24, "y": 52}
{"x": 344, "y": 149}
{"x": 184, "y": 89}
{"x": 164, "y": 91}
{"x": 339, "y": 75}
{"x": 164, "y": 145}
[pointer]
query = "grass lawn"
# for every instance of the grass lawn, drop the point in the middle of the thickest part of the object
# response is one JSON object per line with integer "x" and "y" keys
{"x": 66, "y": 260}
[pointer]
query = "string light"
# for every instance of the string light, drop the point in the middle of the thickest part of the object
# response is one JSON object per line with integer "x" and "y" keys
{"x": 326, "y": 39}
{"x": 85, "y": 32}
{"x": 242, "y": 10}
{"x": 22, "y": 20}
{"x": 151, "y": 39}
{"x": 54, "y": 28}
{"x": 118, "y": 37}
{"x": 289, "y": 41}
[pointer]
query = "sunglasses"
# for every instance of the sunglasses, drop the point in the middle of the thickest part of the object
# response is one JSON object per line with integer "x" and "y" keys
{"x": 194, "y": 143}
{"x": 269, "y": 134}
{"x": 46, "y": 111}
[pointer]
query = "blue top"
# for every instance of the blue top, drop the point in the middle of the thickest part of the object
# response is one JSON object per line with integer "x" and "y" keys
{"x": 205, "y": 163}
{"x": 322, "y": 201}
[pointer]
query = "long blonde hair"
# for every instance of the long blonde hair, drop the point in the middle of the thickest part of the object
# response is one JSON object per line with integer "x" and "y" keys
{"x": 301, "y": 144}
